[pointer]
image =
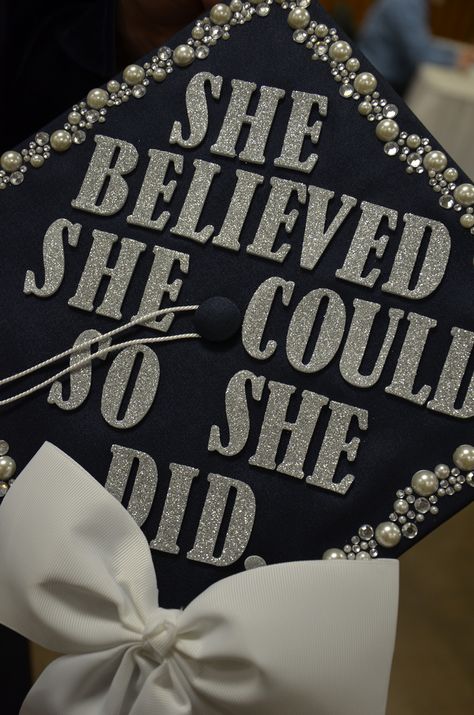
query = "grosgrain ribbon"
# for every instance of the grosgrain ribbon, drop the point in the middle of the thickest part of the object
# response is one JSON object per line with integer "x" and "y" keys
{"x": 76, "y": 576}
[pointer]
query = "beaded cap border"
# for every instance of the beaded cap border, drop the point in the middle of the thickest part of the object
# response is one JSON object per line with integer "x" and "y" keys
{"x": 415, "y": 152}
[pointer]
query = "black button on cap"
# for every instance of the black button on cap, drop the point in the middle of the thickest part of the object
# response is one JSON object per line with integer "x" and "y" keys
{"x": 217, "y": 319}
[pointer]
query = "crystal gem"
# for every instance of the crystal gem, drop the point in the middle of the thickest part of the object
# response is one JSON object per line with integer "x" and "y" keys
{"x": 42, "y": 138}
{"x": 390, "y": 111}
{"x": 17, "y": 178}
{"x": 202, "y": 52}
{"x": 422, "y": 505}
{"x": 346, "y": 91}
{"x": 391, "y": 148}
{"x": 446, "y": 201}
{"x": 92, "y": 116}
{"x": 366, "y": 532}
{"x": 409, "y": 531}
{"x": 4, "y": 447}
{"x": 79, "y": 137}
{"x": 300, "y": 36}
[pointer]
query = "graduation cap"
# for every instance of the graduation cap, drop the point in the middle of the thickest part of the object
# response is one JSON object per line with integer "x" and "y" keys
{"x": 237, "y": 291}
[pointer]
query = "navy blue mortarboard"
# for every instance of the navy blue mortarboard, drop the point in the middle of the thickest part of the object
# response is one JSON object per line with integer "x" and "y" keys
{"x": 284, "y": 257}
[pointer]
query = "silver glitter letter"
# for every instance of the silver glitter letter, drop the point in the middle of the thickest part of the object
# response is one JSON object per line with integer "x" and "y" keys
{"x": 145, "y": 482}
{"x": 153, "y": 187}
{"x": 234, "y": 221}
{"x": 237, "y": 412}
{"x": 334, "y": 444}
{"x": 174, "y": 509}
{"x": 403, "y": 382}
{"x": 158, "y": 285}
{"x": 96, "y": 269}
{"x": 275, "y": 423}
{"x": 196, "y": 105}
{"x": 317, "y": 238}
{"x": 81, "y": 378}
{"x": 364, "y": 242}
{"x": 452, "y": 377}
{"x": 195, "y": 200}
{"x": 257, "y": 314}
{"x": 240, "y": 524}
{"x": 100, "y": 171}
{"x": 144, "y": 390}
{"x": 274, "y": 217}
{"x": 298, "y": 129}
{"x": 302, "y": 326}
{"x": 356, "y": 344}
{"x": 260, "y": 123}
{"x": 434, "y": 265}
{"x": 53, "y": 258}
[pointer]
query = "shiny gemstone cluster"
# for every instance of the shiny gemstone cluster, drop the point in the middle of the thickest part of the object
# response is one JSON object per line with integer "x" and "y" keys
{"x": 7, "y": 469}
{"x": 417, "y": 153}
{"x": 412, "y": 506}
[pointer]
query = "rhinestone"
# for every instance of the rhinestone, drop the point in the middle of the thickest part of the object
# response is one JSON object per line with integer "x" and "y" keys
{"x": 346, "y": 91}
{"x": 42, "y": 138}
{"x": 390, "y": 111}
{"x": 470, "y": 479}
{"x": 373, "y": 544}
{"x": 139, "y": 91}
{"x": 374, "y": 553}
{"x": 411, "y": 514}
{"x": 3, "y": 489}
{"x": 366, "y": 532}
{"x": 414, "y": 160}
{"x": 422, "y": 505}
{"x": 202, "y": 52}
{"x": 356, "y": 548}
{"x": 455, "y": 472}
{"x": 263, "y": 10}
{"x": 92, "y": 116}
{"x": 364, "y": 545}
{"x": 450, "y": 491}
{"x": 393, "y": 517}
{"x": 409, "y": 531}
{"x": 410, "y": 499}
{"x": 300, "y": 36}
{"x": 452, "y": 480}
{"x": 434, "y": 510}
{"x": 446, "y": 201}
{"x": 16, "y": 178}
{"x": 79, "y": 137}
{"x": 164, "y": 53}
{"x": 391, "y": 148}
{"x": 355, "y": 540}
{"x": 254, "y": 562}
{"x": 402, "y": 519}
{"x": 4, "y": 447}
{"x": 400, "y": 494}
{"x": 433, "y": 499}
{"x": 347, "y": 549}
{"x": 351, "y": 556}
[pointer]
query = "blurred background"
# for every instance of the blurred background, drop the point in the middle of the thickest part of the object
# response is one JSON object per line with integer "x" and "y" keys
{"x": 427, "y": 44}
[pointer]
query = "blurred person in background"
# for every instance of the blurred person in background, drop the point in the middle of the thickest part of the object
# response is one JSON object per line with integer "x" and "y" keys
{"x": 396, "y": 37}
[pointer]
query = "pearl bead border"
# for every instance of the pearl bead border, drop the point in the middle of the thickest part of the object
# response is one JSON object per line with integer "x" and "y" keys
{"x": 7, "y": 471}
{"x": 411, "y": 506}
{"x": 414, "y": 151}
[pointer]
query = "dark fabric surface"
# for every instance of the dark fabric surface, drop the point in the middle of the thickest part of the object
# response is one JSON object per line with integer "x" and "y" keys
{"x": 294, "y": 520}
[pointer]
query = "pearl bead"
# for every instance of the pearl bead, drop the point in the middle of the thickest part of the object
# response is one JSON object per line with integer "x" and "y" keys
{"x": 365, "y": 108}
{"x": 435, "y": 161}
{"x": 10, "y": 161}
{"x": 340, "y": 51}
{"x": 413, "y": 141}
{"x": 334, "y": 555}
{"x": 74, "y": 117}
{"x": 159, "y": 75}
{"x": 220, "y": 14}
{"x": 388, "y": 534}
{"x": 353, "y": 65}
{"x": 467, "y": 221}
{"x": 365, "y": 83}
{"x": 424, "y": 483}
{"x": 463, "y": 457}
{"x": 387, "y": 130}
{"x": 134, "y": 74}
{"x": 321, "y": 30}
{"x": 113, "y": 86}
{"x": 37, "y": 161}
{"x": 442, "y": 471}
{"x": 464, "y": 194}
{"x": 7, "y": 467}
{"x": 61, "y": 140}
{"x": 401, "y": 506}
{"x": 451, "y": 174}
{"x": 97, "y": 98}
{"x": 362, "y": 556}
{"x": 236, "y": 5}
{"x": 198, "y": 33}
{"x": 299, "y": 18}
{"x": 183, "y": 55}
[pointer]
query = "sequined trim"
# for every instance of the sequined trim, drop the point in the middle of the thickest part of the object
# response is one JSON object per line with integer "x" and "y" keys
{"x": 415, "y": 152}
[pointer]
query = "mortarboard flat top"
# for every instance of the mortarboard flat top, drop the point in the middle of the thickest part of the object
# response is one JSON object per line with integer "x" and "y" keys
{"x": 262, "y": 170}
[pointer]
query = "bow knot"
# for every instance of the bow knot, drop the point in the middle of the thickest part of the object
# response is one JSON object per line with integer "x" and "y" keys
{"x": 159, "y": 636}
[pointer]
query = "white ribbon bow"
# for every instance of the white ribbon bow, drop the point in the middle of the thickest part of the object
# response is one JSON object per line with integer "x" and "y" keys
{"x": 76, "y": 575}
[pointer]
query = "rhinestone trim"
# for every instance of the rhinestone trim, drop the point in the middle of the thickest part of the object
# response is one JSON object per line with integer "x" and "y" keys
{"x": 415, "y": 152}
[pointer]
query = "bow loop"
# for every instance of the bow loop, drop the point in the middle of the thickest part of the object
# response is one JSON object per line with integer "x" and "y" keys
{"x": 160, "y": 634}
{"x": 77, "y": 576}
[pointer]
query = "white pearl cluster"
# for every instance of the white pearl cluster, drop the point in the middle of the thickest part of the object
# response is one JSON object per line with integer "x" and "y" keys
{"x": 411, "y": 507}
{"x": 7, "y": 469}
{"x": 135, "y": 81}
{"x": 416, "y": 152}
